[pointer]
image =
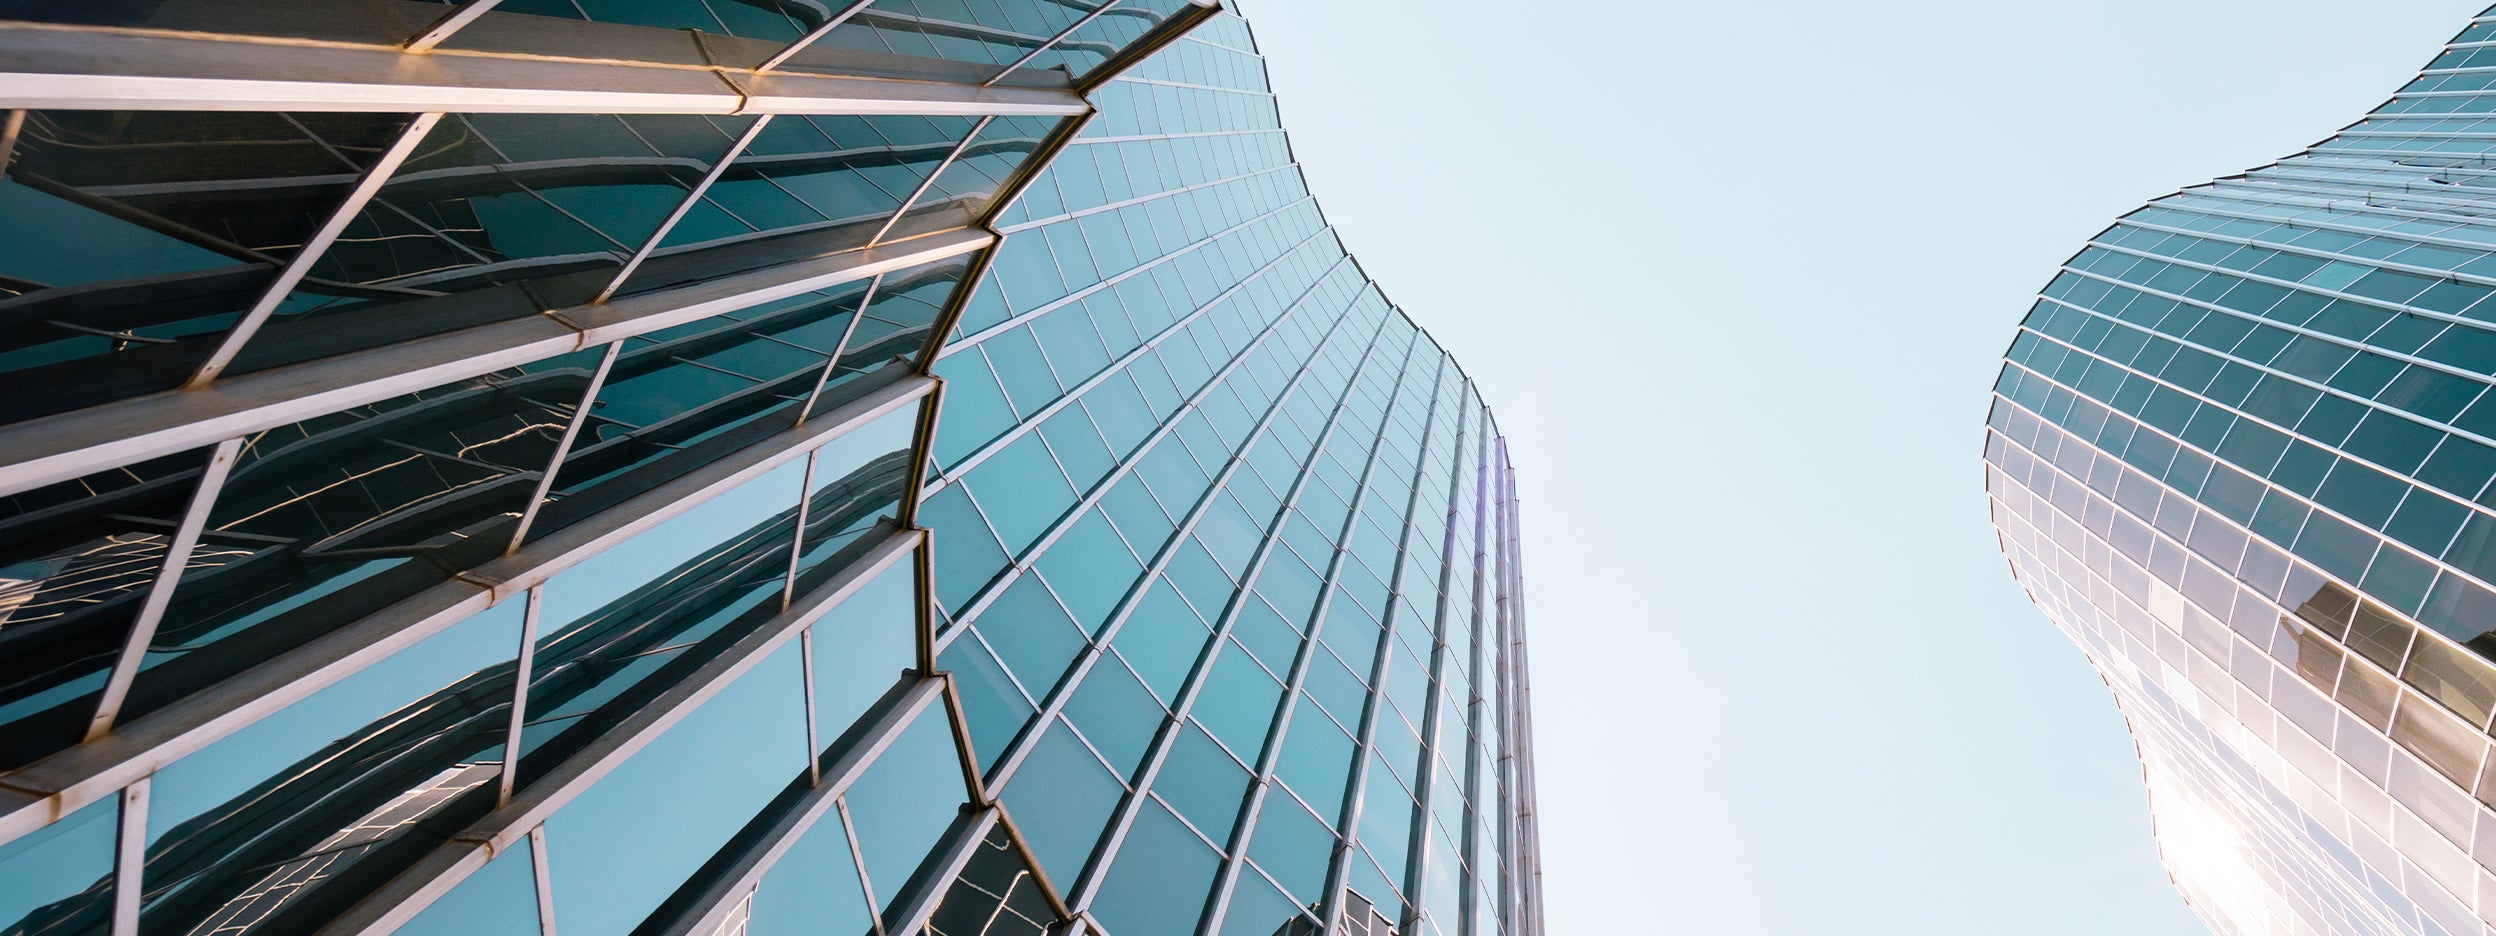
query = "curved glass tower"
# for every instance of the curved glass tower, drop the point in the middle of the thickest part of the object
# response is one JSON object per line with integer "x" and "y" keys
{"x": 2240, "y": 452}
{"x": 725, "y": 467}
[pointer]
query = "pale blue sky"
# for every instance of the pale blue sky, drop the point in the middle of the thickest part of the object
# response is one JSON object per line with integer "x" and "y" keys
{"x": 1736, "y": 278}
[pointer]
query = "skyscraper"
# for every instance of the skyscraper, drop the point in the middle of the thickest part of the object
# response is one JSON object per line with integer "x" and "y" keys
{"x": 2240, "y": 453}
{"x": 725, "y": 466}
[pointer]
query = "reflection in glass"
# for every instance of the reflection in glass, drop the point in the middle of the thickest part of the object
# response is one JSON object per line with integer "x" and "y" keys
{"x": 76, "y": 560}
{"x": 300, "y": 813}
{"x": 136, "y": 238}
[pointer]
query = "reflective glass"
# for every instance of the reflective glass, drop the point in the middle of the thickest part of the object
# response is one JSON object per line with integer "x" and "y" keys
{"x": 1156, "y": 883}
{"x": 813, "y": 888}
{"x": 76, "y": 560}
{"x": 904, "y": 802}
{"x": 500, "y": 899}
{"x": 138, "y": 238}
{"x": 609, "y": 864}
{"x": 319, "y": 800}
{"x": 60, "y": 876}
{"x": 1062, "y": 798}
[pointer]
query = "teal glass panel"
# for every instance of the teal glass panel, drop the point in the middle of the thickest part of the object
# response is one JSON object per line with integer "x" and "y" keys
{"x": 500, "y": 899}
{"x": 60, "y": 876}
{"x": 1157, "y": 882}
{"x": 609, "y": 864}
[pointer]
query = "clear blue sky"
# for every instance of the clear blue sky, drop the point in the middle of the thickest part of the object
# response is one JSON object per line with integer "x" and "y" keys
{"x": 1736, "y": 277}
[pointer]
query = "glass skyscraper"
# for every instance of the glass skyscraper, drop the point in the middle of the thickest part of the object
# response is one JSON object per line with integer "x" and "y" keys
{"x": 2240, "y": 453}
{"x": 725, "y": 467}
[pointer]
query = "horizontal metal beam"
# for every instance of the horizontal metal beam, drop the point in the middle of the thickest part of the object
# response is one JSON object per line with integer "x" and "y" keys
{"x": 399, "y": 901}
{"x": 45, "y": 791}
{"x": 122, "y": 68}
{"x": 58, "y": 448}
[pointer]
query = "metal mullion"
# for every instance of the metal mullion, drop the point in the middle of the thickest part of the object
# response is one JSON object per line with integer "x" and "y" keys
{"x": 160, "y": 592}
{"x": 829, "y": 24}
{"x": 63, "y": 782}
{"x": 1356, "y": 791}
{"x": 1097, "y": 644}
{"x": 295, "y": 269}
{"x": 1031, "y": 423}
{"x": 542, "y": 880}
{"x": 130, "y": 857}
{"x": 788, "y": 584}
{"x": 1308, "y": 472}
{"x": 563, "y": 446}
{"x": 832, "y": 361}
{"x": 2295, "y": 250}
{"x": 1158, "y": 751}
{"x": 451, "y": 22}
{"x": 849, "y": 830}
{"x": 718, "y": 168}
{"x": 2299, "y": 330}
{"x": 41, "y": 451}
{"x": 1124, "y": 468}
{"x": 10, "y": 127}
{"x": 1512, "y": 609}
{"x": 2466, "y": 503}
{"x": 1138, "y": 270}
{"x": 413, "y": 890}
{"x": 1052, "y": 41}
{"x": 930, "y": 182}
{"x": 1417, "y": 856}
{"x": 524, "y": 672}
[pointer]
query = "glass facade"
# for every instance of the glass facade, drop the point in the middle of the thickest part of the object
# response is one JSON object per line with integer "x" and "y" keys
{"x": 725, "y": 467}
{"x": 2240, "y": 453}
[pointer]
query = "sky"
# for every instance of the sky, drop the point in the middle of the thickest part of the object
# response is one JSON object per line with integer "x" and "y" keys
{"x": 1736, "y": 278}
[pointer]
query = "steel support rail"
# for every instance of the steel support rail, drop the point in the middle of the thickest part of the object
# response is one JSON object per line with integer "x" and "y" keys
{"x": 395, "y": 903}
{"x": 539, "y": 65}
{"x": 58, "y": 448}
{"x": 44, "y": 791}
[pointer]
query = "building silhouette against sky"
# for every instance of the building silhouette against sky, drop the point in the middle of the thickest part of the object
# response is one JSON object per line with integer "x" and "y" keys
{"x": 725, "y": 466}
{"x": 2240, "y": 452}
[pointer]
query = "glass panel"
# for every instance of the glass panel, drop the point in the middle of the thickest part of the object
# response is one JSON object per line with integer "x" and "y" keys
{"x": 335, "y": 517}
{"x": 1091, "y": 44}
{"x": 136, "y": 239}
{"x": 768, "y": 22}
{"x": 1293, "y": 846}
{"x": 76, "y": 560}
{"x": 806, "y": 185}
{"x": 1203, "y": 783}
{"x": 633, "y": 620}
{"x": 1316, "y": 761}
{"x": 1157, "y": 884}
{"x": 282, "y": 820}
{"x": 968, "y": 186}
{"x": 995, "y": 895}
{"x": 487, "y": 203}
{"x": 499, "y": 900}
{"x": 990, "y": 32}
{"x": 813, "y": 888}
{"x": 859, "y": 479}
{"x": 904, "y": 802}
{"x": 861, "y": 647}
{"x": 60, "y": 876}
{"x": 617, "y": 851}
{"x": 1062, "y": 798}
{"x": 1257, "y": 909}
